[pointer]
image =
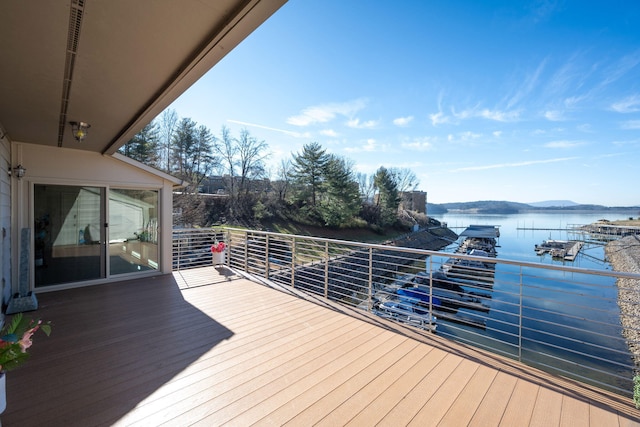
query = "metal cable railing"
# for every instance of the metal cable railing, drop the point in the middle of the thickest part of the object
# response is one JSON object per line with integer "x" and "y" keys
{"x": 565, "y": 320}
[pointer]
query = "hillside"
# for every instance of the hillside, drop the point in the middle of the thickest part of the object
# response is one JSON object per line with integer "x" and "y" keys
{"x": 505, "y": 207}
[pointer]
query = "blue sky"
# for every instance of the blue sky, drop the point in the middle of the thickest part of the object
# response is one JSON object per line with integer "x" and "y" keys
{"x": 483, "y": 100}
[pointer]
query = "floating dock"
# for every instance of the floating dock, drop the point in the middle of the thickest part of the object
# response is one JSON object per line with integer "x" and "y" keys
{"x": 564, "y": 249}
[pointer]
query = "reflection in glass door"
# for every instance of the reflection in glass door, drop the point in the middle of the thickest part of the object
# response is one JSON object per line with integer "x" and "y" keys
{"x": 133, "y": 231}
{"x": 68, "y": 234}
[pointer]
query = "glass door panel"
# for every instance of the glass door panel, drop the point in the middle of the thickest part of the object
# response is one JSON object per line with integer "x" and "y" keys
{"x": 133, "y": 231}
{"x": 68, "y": 234}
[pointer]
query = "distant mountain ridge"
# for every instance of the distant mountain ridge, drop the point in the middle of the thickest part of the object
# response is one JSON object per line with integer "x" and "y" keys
{"x": 505, "y": 207}
{"x": 553, "y": 203}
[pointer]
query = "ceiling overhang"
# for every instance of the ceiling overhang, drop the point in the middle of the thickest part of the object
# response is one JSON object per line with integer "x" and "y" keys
{"x": 114, "y": 64}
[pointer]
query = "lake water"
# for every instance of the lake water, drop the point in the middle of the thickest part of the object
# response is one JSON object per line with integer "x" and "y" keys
{"x": 592, "y": 297}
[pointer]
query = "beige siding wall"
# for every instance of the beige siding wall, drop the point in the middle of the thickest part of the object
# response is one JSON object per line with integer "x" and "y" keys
{"x": 60, "y": 166}
{"x": 5, "y": 217}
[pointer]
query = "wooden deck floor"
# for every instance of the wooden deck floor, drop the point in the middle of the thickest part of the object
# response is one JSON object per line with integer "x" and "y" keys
{"x": 206, "y": 347}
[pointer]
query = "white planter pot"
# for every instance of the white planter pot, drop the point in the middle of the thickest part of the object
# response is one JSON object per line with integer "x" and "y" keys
{"x": 217, "y": 258}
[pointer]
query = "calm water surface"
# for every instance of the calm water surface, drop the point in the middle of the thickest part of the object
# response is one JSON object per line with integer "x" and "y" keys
{"x": 592, "y": 297}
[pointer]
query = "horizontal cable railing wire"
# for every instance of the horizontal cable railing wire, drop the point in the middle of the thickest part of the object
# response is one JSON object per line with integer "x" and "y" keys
{"x": 565, "y": 320}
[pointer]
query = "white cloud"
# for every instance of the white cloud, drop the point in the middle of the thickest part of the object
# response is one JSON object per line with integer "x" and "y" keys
{"x": 554, "y": 116}
{"x": 356, "y": 124}
{"x": 403, "y": 121}
{"x": 468, "y": 135}
{"x": 500, "y": 116}
{"x": 439, "y": 118}
{"x": 419, "y": 144}
{"x": 630, "y": 104}
{"x": 326, "y": 112}
{"x": 368, "y": 146}
{"x": 484, "y": 113}
{"x": 497, "y": 133}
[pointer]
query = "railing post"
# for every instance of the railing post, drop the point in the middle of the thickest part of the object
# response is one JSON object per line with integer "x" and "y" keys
{"x": 520, "y": 319}
{"x": 293, "y": 262}
{"x": 226, "y": 236}
{"x": 370, "y": 296}
{"x": 246, "y": 251}
{"x": 429, "y": 267}
{"x": 266, "y": 257}
{"x": 326, "y": 269}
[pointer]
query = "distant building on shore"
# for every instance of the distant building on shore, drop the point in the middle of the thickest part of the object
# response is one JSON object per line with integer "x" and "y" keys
{"x": 414, "y": 201}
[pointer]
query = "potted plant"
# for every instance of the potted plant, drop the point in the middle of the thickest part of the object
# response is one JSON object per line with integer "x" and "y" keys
{"x": 217, "y": 252}
{"x": 15, "y": 339}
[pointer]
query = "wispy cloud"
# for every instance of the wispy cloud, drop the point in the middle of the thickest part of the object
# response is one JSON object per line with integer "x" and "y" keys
{"x": 542, "y": 10}
{"x": 564, "y": 144}
{"x": 329, "y": 132}
{"x": 418, "y": 144}
{"x": 286, "y": 132}
{"x": 403, "y": 121}
{"x": 369, "y": 145}
{"x": 500, "y": 116}
{"x": 631, "y": 125}
{"x": 554, "y": 116}
{"x": 327, "y": 112}
{"x": 630, "y": 104}
{"x": 457, "y": 117}
{"x": 623, "y": 66}
{"x": 439, "y": 118}
{"x": 357, "y": 124}
{"x": 514, "y": 165}
{"x": 529, "y": 85}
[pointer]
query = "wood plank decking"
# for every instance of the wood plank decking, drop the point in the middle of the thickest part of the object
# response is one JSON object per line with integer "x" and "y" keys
{"x": 207, "y": 347}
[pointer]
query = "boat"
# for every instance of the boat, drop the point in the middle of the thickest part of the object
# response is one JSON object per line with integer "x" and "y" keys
{"x": 405, "y": 310}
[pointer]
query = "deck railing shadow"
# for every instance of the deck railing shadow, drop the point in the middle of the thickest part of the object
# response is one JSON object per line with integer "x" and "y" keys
{"x": 117, "y": 343}
{"x": 563, "y": 320}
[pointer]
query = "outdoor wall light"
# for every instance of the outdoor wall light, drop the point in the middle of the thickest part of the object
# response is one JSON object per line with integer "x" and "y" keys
{"x": 80, "y": 130}
{"x": 18, "y": 171}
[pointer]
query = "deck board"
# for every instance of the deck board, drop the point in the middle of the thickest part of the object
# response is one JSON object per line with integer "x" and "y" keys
{"x": 209, "y": 347}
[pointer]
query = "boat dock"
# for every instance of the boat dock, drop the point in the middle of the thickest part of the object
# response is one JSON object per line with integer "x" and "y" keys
{"x": 564, "y": 249}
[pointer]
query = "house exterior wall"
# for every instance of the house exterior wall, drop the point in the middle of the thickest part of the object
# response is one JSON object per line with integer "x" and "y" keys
{"x": 5, "y": 218}
{"x": 61, "y": 166}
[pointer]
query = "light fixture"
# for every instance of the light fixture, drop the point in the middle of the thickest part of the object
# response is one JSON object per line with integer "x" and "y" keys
{"x": 80, "y": 130}
{"x": 18, "y": 171}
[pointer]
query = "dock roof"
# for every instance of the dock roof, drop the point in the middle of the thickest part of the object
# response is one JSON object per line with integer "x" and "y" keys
{"x": 482, "y": 231}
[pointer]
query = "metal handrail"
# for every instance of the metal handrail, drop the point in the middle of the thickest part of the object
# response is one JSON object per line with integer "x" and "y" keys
{"x": 561, "y": 319}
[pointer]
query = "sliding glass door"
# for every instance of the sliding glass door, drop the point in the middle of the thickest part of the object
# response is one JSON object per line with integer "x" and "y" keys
{"x": 73, "y": 224}
{"x": 133, "y": 231}
{"x": 68, "y": 234}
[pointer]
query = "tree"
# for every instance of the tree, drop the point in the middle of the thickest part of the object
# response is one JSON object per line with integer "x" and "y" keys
{"x": 282, "y": 180}
{"x": 340, "y": 202}
{"x": 227, "y": 149}
{"x": 168, "y": 122}
{"x": 251, "y": 155}
{"x": 405, "y": 179}
{"x": 308, "y": 173}
{"x": 143, "y": 147}
{"x": 192, "y": 158}
{"x": 387, "y": 200}
{"x": 366, "y": 187}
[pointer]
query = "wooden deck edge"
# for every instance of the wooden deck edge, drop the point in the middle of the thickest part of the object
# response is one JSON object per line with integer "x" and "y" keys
{"x": 567, "y": 386}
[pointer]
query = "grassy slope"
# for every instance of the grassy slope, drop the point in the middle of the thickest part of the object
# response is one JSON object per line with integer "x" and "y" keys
{"x": 351, "y": 234}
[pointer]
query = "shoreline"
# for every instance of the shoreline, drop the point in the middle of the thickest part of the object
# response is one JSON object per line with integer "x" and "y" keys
{"x": 624, "y": 256}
